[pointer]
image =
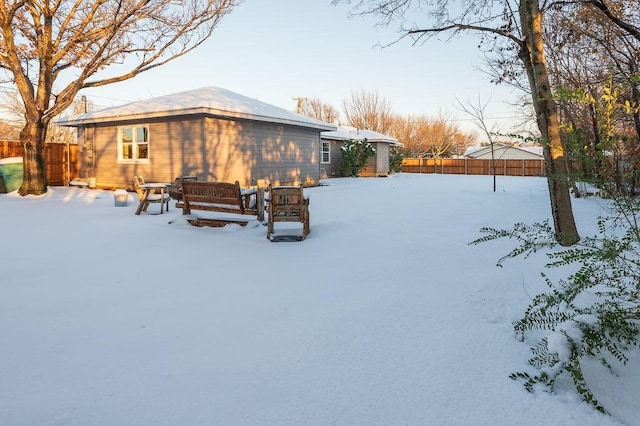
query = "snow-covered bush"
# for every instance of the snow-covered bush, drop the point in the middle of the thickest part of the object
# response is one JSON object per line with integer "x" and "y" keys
{"x": 594, "y": 312}
{"x": 355, "y": 155}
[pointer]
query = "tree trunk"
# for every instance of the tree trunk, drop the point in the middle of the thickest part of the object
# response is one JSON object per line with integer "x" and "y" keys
{"x": 34, "y": 178}
{"x": 533, "y": 56}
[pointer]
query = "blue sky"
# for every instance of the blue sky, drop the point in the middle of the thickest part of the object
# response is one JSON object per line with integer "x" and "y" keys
{"x": 280, "y": 49}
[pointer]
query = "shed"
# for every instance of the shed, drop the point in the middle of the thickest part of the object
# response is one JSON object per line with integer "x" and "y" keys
{"x": 212, "y": 133}
{"x": 505, "y": 152}
{"x": 332, "y": 142}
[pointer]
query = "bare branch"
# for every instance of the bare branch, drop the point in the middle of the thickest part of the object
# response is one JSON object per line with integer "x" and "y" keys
{"x": 465, "y": 27}
{"x": 367, "y": 110}
{"x": 617, "y": 18}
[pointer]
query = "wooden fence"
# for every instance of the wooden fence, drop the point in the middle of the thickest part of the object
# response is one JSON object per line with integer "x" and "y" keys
{"x": 61, "y": 160}
{"x": 473, "y": 166}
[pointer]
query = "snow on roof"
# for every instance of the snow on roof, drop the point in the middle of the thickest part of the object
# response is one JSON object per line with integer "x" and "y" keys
{"x": 472, "y": 149}
{"x": 477, "y": 150}
{"x": 346, "y": 133}
{"x": 213, "y": 101}
{"x": 533, "y": 149}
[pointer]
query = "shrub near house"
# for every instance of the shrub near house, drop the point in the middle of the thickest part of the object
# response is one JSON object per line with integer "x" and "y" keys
{"x": 355, "y": 156}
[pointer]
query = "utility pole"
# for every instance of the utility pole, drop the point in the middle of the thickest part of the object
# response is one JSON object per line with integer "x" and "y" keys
{"x": 300, "y": 102}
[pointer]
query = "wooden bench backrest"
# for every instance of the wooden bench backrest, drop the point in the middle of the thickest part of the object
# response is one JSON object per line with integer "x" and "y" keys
{"x": 286, "y": 195}
{"x": 215, "y": 196}
{"x": 287, "y": 203}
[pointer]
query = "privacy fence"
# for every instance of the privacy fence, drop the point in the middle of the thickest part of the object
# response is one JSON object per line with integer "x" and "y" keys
{"x": 61, "y": 160}
{"x": 472, "y": 166}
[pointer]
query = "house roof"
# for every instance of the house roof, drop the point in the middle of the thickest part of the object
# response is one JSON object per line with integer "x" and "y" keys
{"x": 213, "y": 101}
{"x": 476, "y": 151}
{"x": 345, "y": 133}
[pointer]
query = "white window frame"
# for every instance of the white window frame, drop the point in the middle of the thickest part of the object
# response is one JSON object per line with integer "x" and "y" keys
{"x": 328, "y": 152}
{"x": 134, "y": 144}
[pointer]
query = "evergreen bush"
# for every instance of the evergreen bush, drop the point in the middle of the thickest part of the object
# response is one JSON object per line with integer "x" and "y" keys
{"x": 395, "y": 159}
{"x": 355, "y": 155}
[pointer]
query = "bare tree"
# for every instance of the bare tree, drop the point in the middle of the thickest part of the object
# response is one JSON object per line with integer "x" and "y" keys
{"x": 424, "y": 136}
{"x": 367, "y": 110}
{"x": 317, "y": 109}
{"x": 60, "y": 134}
{"x": 462, "y": 141}
{"x": 477, "y": 112}
{"x": 404, "y": 129}
{"x": 8, "y": 132}
{"x": 441, "y": 136}
{"x": 73, "y": 41}
{"x": 12, "y": 108}
{"x": 519, "y": 25}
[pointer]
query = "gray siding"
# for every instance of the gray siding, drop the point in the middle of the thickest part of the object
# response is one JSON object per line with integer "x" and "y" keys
{"x": 378, "y": 165}
{"x": 382, "y": 159}
{"x": 101, "y": 143}
{"x": 332, "y": 169}
{"x": 210, "y": 148}
{"x": 248, "y": 151}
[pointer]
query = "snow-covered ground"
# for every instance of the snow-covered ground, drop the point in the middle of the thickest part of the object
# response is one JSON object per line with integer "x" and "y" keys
{"x": 383, "y": 316}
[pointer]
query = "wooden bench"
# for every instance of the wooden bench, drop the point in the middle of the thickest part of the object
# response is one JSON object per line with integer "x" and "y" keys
{"x": 222, "y": 197}
{"x": 287, "y": 204}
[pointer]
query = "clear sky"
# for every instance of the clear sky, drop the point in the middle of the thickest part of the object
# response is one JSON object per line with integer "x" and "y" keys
{"x": 277, "y": 50}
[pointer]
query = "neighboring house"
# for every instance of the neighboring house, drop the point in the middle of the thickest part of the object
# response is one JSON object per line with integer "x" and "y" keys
{"x": 331, "y": 153}
{"x": 505, "y": 152}
{"x": 211, "y": 133}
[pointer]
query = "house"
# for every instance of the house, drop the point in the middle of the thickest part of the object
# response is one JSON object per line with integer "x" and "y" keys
{"x": 505, "y": 152}
{"x": 331, "y": 153}
{"x": 211, "y": 133}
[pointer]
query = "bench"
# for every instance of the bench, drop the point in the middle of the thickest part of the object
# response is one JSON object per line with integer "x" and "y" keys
{"x": 222, "y": 197}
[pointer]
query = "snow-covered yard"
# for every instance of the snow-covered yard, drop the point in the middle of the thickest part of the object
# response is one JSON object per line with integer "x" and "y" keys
{"x": 383, "y": 316}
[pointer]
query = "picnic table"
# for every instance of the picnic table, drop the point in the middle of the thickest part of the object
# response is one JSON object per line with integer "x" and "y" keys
{"x": 153, "y": 192}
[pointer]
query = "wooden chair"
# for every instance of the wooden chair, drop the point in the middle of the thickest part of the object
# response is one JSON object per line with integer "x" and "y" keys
{"x": 155, "y": 197}
{"x": 287, "y": 204}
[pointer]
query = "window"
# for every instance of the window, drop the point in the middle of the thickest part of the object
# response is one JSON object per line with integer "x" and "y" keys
{"x": 326, "y": 152}
{"x": 133, "y": 144}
